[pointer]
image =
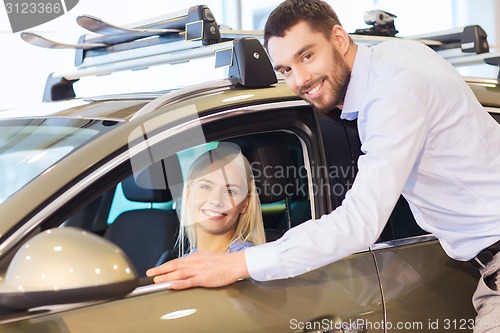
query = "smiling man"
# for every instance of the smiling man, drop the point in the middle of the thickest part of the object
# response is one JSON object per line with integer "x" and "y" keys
{"x": 306, "y": 63}
{"x": 421, "y": 128}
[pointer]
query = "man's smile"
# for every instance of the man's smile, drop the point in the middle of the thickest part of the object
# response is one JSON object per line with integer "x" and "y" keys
{"x": 314, "y": 91}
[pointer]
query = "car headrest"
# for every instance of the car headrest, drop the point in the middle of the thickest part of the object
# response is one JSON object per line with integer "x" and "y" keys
{"x": 150, "y": 184}
{"x": 270, "y": 160}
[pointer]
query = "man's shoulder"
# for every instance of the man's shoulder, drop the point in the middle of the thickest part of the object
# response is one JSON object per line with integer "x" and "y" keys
{"x": 400, "y": 54}
{"x": 401, "y": 43}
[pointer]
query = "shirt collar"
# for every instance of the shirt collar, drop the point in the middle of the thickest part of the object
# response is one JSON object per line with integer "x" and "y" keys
{"x": 358, "y": 84}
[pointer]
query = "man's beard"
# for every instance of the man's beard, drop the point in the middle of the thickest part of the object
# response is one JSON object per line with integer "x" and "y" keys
{"x": 339, "y": 79}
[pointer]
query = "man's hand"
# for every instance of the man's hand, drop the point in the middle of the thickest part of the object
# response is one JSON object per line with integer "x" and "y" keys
{"x": 202, "y": 270}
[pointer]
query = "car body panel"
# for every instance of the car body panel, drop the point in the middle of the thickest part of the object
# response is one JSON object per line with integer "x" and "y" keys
{"x": 486, "y": 90}
{"x": 246, "y": 306}
{"x": 423, "y": 288}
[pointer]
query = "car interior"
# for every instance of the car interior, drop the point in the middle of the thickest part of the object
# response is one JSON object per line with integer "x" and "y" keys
{"x": 147, "y": 235}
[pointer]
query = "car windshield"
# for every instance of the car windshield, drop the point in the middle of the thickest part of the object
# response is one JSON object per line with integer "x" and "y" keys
{"x": 28, "y": 147}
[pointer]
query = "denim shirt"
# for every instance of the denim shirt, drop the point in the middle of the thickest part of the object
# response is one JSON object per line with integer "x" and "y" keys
{"x": 234, "y": 247}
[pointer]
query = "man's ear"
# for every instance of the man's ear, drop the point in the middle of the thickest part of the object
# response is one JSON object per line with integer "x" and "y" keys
{"x": 341, "y": 38}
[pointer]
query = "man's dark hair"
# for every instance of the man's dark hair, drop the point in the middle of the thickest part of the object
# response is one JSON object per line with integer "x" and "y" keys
{"x": 317, "y": 13}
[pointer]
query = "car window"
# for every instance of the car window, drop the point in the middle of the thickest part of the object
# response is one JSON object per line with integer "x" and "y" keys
{"x": 496, "y": 116}
{"x": 31, "y": 146}
{"x": 141, "y": 213}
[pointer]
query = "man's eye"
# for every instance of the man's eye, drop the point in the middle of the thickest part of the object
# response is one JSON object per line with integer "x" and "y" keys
{"x": 285, "y": 71}
{"x": 307, "y": 56}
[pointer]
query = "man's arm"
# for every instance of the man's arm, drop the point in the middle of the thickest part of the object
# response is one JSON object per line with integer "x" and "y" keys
{"x": 202, "y": 270}
{"x": 394, "y": 130}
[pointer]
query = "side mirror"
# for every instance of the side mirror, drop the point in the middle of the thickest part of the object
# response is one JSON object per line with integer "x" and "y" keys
{"x": 66, "y": 265}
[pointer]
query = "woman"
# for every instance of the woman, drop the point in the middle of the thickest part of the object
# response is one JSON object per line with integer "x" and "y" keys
{"x": 221, "y": 208}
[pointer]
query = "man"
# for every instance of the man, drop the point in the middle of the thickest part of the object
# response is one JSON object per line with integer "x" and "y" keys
{"x": 421, "y": 128}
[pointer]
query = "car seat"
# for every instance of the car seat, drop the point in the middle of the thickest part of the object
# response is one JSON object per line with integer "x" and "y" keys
{"x": 147, "y": 236}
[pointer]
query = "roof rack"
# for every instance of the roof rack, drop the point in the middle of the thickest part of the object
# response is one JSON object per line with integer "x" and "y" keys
{"x": 463, "y": 46}
{"x": 172, "y": 38}
{"x": 194, "y": 33}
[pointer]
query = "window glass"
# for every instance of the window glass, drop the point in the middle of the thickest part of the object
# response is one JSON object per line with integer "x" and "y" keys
{"x": 121, "y": 203}
{"x": 145, "y": 221}
{"x": 496, "y": 116}
{"x": 28, "y": 147}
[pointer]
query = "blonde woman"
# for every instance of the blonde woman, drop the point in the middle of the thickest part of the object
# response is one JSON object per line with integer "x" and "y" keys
{"x": 220, "y": 209}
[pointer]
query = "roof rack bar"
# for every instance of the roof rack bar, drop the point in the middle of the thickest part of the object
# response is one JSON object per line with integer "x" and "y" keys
{"x": 494, "y": 60}
{"x": 248, "y": 64}
{"x": 162, "y": 55}
{"x": 475, "y": 59}
{"x": 58, "y": 88}
{"x": 150, "y": 47}
{"x": 469, "y": 39}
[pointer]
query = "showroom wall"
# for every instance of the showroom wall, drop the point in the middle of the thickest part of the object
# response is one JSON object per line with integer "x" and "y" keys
{"x": 24, "y": 68}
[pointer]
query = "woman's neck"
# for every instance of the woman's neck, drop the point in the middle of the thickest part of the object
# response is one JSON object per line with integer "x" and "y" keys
{"x": 213, "y": 243}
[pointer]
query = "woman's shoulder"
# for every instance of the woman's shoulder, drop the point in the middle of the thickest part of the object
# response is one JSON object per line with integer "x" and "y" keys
{"x": 239, "y": 245}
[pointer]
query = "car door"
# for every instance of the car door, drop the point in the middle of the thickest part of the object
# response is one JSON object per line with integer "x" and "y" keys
{"x": 343, "y": 295}
{"x": 423, "y": 288}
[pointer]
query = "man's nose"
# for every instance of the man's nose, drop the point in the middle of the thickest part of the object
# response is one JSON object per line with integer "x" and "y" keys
{"x": 301, "y": 77}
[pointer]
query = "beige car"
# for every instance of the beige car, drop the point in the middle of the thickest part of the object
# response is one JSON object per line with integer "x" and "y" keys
{"x": 88, "y": 202}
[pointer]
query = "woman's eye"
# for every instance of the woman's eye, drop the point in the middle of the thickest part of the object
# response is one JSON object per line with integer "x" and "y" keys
{"x": 307, "y": 56}
{"x": 231, "y": 192}
{"x": 205, "y": 187}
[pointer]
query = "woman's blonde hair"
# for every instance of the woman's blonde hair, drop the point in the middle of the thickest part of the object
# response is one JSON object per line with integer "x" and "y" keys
{"x": 250, "y": 226}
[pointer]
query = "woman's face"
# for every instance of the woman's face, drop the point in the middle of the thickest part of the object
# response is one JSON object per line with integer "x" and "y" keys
{"x": 217, "y": 198}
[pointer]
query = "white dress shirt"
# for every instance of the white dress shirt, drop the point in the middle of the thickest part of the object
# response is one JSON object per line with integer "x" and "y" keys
{"x": 425, "y": 135}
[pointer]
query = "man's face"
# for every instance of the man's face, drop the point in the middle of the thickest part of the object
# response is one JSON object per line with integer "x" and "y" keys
{"x": 311, "y": 65}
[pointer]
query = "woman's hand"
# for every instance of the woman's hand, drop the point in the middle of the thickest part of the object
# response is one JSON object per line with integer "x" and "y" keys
{"x": 202, "y": 270}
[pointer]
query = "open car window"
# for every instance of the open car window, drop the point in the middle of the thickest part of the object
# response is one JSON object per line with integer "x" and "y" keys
{"x": 141, "y": 213}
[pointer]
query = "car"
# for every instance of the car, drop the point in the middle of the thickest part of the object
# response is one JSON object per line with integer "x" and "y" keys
{"x": 98, "y": 179}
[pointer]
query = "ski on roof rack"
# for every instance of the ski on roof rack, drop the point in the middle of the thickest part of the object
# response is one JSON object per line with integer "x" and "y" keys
{"x": 99, "y": 26}
{"x": 37, "y": 40}
{"x": 196, "y": 23}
